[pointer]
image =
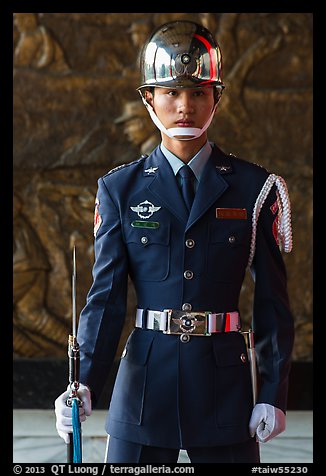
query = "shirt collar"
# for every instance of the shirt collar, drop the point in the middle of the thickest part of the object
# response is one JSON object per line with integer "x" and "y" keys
{"x": 197, "y": 163}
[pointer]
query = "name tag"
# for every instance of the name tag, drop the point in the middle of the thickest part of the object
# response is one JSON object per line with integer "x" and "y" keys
{"x": 145, "y": 224}
{"x": 231, "y": 213}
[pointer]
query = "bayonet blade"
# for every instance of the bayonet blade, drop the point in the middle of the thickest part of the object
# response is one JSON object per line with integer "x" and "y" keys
{"x": 74, "y": 318}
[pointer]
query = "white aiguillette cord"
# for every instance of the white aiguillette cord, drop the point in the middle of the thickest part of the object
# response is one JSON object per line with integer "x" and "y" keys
{"x": 284, "y": 224}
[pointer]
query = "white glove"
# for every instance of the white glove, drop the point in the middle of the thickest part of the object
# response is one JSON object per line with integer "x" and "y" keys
{"x": 64, "y": 413}
{"x": 266, "y": 421}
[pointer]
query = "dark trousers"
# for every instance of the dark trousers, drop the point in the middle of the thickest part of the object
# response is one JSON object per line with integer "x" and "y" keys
{"x": 120, "y": 451}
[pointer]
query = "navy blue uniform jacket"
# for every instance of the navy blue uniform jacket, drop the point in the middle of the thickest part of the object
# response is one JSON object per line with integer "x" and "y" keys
{"x": 168, "y": 393}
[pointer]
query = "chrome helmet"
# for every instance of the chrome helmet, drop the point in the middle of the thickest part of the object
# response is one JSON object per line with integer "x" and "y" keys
{"x": 181, "y": 54}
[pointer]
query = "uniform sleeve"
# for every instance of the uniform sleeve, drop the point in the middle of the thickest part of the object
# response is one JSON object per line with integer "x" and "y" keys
{"x": 101, "y": 321}
{"x": 272, "y": 318}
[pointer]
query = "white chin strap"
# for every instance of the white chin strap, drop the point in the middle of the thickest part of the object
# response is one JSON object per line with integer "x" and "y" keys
{"x": 179, "y": 133}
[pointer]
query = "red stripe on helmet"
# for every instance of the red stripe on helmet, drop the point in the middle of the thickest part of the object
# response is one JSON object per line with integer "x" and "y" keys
{"x": 212, "y": 54}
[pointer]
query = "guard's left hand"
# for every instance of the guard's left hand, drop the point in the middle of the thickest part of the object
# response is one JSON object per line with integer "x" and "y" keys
{"x": 266, "y": 421}
{"x": 63, "y": 413}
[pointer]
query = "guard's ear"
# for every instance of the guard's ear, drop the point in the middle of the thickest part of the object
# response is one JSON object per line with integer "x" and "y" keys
{"x": 149, "y": 96}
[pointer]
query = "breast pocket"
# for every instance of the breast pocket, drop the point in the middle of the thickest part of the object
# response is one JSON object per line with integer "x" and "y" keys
{"x": 233, "y": 394}
{"x": 228, "y": 251}
{"x": 149, "y": 251}
{"x": 128, "y": 395}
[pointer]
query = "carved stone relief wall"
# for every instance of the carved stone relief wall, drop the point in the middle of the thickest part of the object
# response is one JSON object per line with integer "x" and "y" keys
{"x": 77, "y": 114}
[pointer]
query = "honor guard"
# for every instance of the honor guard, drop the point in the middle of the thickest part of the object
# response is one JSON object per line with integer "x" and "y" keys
{"x": 185, "y": 223}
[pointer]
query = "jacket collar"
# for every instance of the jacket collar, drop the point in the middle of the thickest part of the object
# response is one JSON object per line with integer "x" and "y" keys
{"x": 163, "y": 184}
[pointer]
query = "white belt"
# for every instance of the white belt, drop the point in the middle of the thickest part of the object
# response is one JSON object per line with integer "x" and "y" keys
{"x": 204, "y": 323}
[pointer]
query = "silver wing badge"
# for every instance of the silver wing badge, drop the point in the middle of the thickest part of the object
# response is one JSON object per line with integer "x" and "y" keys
{"x": 145, "y": 209}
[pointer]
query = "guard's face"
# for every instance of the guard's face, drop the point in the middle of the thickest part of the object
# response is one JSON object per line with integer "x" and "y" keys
{"x": 176, "y": 107}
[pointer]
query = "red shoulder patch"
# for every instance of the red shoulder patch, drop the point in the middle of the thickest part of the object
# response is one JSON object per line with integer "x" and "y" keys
{"x": 97, "y": 217}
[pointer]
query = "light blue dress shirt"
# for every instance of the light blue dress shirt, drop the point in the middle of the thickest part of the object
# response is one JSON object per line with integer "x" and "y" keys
{"x": 197, "y": 163}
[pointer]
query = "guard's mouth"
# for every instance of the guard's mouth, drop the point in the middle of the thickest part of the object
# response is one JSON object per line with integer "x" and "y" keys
{"x": 185, "y": 123}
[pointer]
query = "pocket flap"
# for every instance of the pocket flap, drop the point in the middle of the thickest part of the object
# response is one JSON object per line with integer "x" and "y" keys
{"x": 138, "y": 346}
{"x": 230, "y": 349}
{"x": 234, "y": 235}
{"x": 146, "y": 236}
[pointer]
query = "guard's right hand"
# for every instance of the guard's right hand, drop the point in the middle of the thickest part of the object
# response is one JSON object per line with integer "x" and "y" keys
{"x": 63, "y": 413}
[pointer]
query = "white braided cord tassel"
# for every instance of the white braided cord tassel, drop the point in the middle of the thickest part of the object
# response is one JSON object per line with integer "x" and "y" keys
{"x": 284, "y": 214}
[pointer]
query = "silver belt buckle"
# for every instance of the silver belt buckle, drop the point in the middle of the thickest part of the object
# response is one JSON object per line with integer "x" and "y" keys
{"x": 156, "y": 321}
{"x": 181, "y": 322}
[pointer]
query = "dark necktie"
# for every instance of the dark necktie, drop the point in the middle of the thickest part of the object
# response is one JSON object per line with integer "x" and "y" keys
{"x": 187, "y": 185}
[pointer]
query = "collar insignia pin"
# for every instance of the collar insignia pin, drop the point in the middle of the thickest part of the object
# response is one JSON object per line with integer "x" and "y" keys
{"x": 223, "y": 168}
{"x": 151, "y": 170}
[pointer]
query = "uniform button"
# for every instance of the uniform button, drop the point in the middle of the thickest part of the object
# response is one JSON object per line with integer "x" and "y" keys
{"x": 190, "y": 243}
{"x": 186, "y": 306}
{"x": 243, "y": 358}
{"x": 185, "y": 338}
{"x": 144, "y": 240}
{"x": 188, "y": 274}
{"x": 231, "y": 239}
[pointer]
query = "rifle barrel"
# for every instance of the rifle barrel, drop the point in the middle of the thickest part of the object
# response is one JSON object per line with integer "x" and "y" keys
{"x": 74, "y": 319}
{"x": 74, "y": 363}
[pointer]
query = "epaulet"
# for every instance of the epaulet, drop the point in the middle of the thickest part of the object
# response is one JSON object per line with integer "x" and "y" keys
{"x": 122, "y": 166}
{"x": 254, "y": 164}
{"x": 259, "y": 165}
